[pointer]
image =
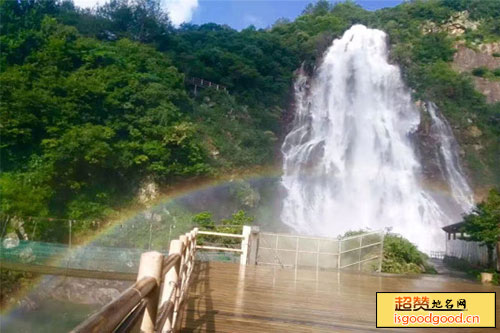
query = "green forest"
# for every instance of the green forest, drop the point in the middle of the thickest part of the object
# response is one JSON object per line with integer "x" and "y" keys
{"x": 95, "y": 101}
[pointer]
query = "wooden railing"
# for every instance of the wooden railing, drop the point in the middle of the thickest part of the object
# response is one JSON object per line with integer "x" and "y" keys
{"x": 245, "y": 250}
{"x": 153, "y": 303}
{"x": 197, "y": 82}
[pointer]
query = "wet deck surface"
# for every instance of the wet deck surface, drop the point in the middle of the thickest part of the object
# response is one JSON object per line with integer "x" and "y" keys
{"x": 227, "y": 298}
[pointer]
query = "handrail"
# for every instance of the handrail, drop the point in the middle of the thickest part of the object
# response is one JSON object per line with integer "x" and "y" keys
{"x": 218, "y": 248}
{"x": 155, "y": 300}
{"x": 205, "y": 83}
{"x": 140, "y": 301}
{"x": 133, "y": 319}
{"x": 221, "y": 234}
{"x": 111, "y": 315}
{"x": 170, "y": 262}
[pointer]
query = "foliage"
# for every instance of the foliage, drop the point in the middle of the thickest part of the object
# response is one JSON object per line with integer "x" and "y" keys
{"x": 232, "y": 225}
{"x": 204, "y": 221}
{"x": 433, "y": 47}
{"x": 425, "y": 61}
{"x": 472, "y": 271}
{"x": 99, "y": 117}
{"x": 479, "y": 71}
{"x": 483, "y": 224}
{"x": 22, "y": 193}
{"x": 352, "y": 233}
{"x": 401, "y": 256}
{"x": 89, "y": 96}
{"x": 12, "y": 282}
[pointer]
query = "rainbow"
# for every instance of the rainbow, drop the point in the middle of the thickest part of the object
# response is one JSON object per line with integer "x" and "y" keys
{"x": 169, "y": 195}
{"x": 127, "y": 215}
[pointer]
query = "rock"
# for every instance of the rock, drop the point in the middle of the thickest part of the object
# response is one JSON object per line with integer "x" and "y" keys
{"x": 456, "y": 25}
{"x": 474, "y": 132}
{"x": 489, "y": 88}
{"x": 28, "y": 304}
{"x": 466, "y": 60}
{"x": 27, "y": 255}
{"x": 81, "y": 291}
{"x": 107, "y": 35}
{"x": 106, "y": 295}
{"x": 246, "y": 194}
{"x": 477, "y": 147}
{"x": 10, "y": 241}
{"x": 148, "y": 192}
{"x": 215, "y": 153}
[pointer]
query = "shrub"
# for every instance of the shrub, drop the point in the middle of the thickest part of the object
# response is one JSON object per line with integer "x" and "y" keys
{"x": 233, "y": 225}
{"x": 479, "y": 71}
{"x": 482, "y": 224}
{"x": 401, "y": 256}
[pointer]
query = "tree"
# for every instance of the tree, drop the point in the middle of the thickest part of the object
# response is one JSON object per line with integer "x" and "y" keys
{"x": 140, "y": 20}
{"x": 483, "y": 223}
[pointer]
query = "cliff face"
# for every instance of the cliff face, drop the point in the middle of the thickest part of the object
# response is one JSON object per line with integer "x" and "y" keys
{"x": 466, "y": 60}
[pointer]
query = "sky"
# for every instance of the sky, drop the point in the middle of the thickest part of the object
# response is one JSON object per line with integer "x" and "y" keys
{"x": 239, "y": 14}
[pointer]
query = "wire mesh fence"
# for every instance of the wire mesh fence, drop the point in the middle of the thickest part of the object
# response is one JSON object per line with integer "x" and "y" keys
{"x": 97, "y": 246}
{"x": 91, "y": 245}
{"x": 362, "y": 252}
{"x": 88, "y": 245}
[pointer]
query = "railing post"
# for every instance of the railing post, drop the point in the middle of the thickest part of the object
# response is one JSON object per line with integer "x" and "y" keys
{"x": 253, "y": 245}
{"x": 381, "y": 255}
{"x": 181, "y": 278}
{"x": 340, "y": 252}
{"x": 359, "y": 255}
{"x": 170, "y": 283}
{"x": 193, "y": 253}
{"x": 150, "y": 265}
{"x": 247, "y": 230}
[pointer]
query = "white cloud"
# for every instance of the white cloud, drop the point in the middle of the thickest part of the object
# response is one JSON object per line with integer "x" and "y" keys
{"x": 180, "y": 11}
{"x": 253, "y": 20}
{"x": 88, "y": 3}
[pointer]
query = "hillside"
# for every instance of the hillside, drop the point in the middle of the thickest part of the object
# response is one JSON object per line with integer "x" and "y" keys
{"x": 93, "y": 104}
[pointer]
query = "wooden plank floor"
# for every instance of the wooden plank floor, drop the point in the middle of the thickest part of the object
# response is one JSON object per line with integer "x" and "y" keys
{"x": 229, "y": 298}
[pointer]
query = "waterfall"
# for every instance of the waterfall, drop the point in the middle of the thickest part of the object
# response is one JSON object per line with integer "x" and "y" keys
{"x": 349, "y": 162}
{"x": 448, "y": 159}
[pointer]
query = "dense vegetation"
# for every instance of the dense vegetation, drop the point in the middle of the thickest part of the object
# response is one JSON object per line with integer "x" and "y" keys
{"x": 483, "y": 224}
{"x": 401, "y": 256}
{"x": 95, "y": 102}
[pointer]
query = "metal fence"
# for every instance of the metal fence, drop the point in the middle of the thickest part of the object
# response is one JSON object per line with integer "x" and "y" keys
{"x": 470, "y": 251}
{"x": 362, "y": 252}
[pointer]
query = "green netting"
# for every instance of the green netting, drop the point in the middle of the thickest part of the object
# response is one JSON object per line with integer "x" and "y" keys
{"x": 125, "y": 260}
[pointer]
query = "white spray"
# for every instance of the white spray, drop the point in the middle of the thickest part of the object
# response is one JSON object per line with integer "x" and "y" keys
{"x": 349, "y": 162}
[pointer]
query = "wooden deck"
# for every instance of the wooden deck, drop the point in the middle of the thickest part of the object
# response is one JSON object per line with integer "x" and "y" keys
{"x": 229, "y": 298}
